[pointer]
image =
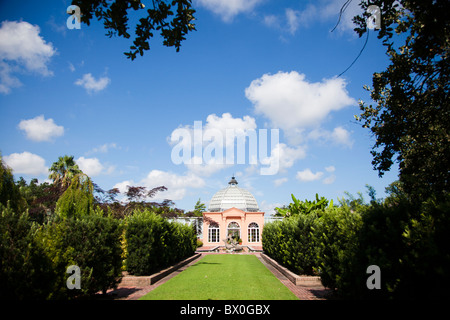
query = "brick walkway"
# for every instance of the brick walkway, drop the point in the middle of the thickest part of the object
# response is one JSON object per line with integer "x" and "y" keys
{"x": 303, "y": 293}
{"x": 133, "y": 293}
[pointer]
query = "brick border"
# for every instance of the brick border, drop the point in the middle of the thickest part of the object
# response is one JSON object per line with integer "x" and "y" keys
{"x": 303, "y": 281}
{"x": 143, "y": 281}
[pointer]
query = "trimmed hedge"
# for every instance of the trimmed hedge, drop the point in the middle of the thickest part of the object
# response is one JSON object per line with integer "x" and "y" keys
{"x": 291, "y": 242}
{"x": 154, "y": 243}
{"x": 337, "y": 237}
{"x": 408, "y": 242}
{"x": 92, "y": 243}
{"x": 25, "y": 270}
{"x": 34, "y": 259}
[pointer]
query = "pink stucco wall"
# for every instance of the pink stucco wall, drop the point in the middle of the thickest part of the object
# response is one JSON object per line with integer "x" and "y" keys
{"x": 232, "y": 215}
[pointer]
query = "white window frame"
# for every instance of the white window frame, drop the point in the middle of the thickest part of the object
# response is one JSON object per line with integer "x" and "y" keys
{"x": 253, "y": 233}
{"x": 235, "y": 227}
{"x": 213, "y": 233}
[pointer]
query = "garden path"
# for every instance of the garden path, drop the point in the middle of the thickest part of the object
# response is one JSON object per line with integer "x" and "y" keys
{"x": 303, "y": 293}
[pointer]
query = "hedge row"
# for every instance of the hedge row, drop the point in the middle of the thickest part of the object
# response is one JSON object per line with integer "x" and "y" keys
{"x": 408, "y": 242}
{"x": 154, "y": 243}
{"x": 291, "y": 242}
{"x": 34, "y": 258}
{"x": 310, "y": 244}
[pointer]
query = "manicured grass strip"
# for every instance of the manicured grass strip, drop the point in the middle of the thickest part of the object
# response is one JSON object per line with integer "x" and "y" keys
{"x": 223, "y": 277}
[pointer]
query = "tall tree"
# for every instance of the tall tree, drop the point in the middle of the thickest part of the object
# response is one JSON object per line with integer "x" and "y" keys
{"x": 9, "y": 192}
{"x": 78, "y": 199}
{"x": 199, "y": 208}
{"x": 171, "y": 18}
{"x": 411, "y": 117}
{"x": 64, "y": 170}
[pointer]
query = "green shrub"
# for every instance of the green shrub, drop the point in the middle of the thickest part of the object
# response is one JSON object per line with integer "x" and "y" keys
{"x": 92, "y": 243}
{"x": 427, "y": 238}
{"x": 155, "y": 243}
{"x": 9, "y": 191}
{"x": 406, "y": 239}
{"x": 320, "y": 242}
{"x": 336, "y": 237}
{"x": 380, "y": 243}
{"x": 410, "y": 245}
{"x": 25, "y": 271}
{"x": 291, "y": 242}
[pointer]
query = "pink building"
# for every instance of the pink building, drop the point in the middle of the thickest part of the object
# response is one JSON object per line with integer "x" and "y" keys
{"x": 233, "y": 213}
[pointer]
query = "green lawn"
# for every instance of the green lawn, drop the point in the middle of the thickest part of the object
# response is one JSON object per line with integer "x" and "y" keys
{"x": 223, "y": 277}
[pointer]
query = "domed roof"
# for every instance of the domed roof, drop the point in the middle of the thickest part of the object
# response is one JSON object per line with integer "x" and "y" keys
{"x": 233, "y": 196}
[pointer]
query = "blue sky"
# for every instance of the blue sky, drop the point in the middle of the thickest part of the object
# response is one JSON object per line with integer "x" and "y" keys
{"x": 251, "y": 65}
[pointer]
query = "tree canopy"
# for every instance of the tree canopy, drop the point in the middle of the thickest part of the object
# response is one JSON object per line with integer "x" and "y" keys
{"x": 64, "y": 170}
{"x": 411, "y": 115}
{"x": 171, "y": 18}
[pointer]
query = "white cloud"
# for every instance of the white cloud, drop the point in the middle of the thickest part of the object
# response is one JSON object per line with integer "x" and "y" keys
{"x": 26, "y": 163}
{"x": 329, "y": 180}
{"x": 268, "y": 208}
{"x": 122, "y": 186}
{"x": 93, "y": 167}
{"x": 212, "y": 138}
{"x": 342, "y": 136}
{"x": 271, "y": 21}
{"x": 284, "y": 157}
{"x": 39, "y": 129}
{"x": 7, "y": 80}
{"x": 297, "y": 18}
{"x": 306, "y": 103}
{"x": 104, "y": 148}
{"x": 22, "y": 49}
{"x": 228, "y": 9}
{"x": 279, "y": 182}
{"x": 178, "y": 186}
{"x": 328, "y": 10}
{"x": 293, "y": 20}
{"x": 318, "y": 12}
{"x": 208, "y": 138}
{"x": 241, "y": 126}
{"x": 215, "y": 127}
{"x": 339, "y": 136}
{"x": 206, "y": 169}
{"x": 91, "y": 84}
{"x": 90, "y": 166}
{"x": 307, "y": 175}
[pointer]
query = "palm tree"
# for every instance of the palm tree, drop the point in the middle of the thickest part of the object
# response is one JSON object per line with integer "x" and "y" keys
{"x": 63, "y": 171}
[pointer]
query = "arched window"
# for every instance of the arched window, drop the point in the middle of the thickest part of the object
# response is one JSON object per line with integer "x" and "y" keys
{"x": 253, "y": 232}
{"x": 213, "y": 232}
{"x": 234, "y": 231}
